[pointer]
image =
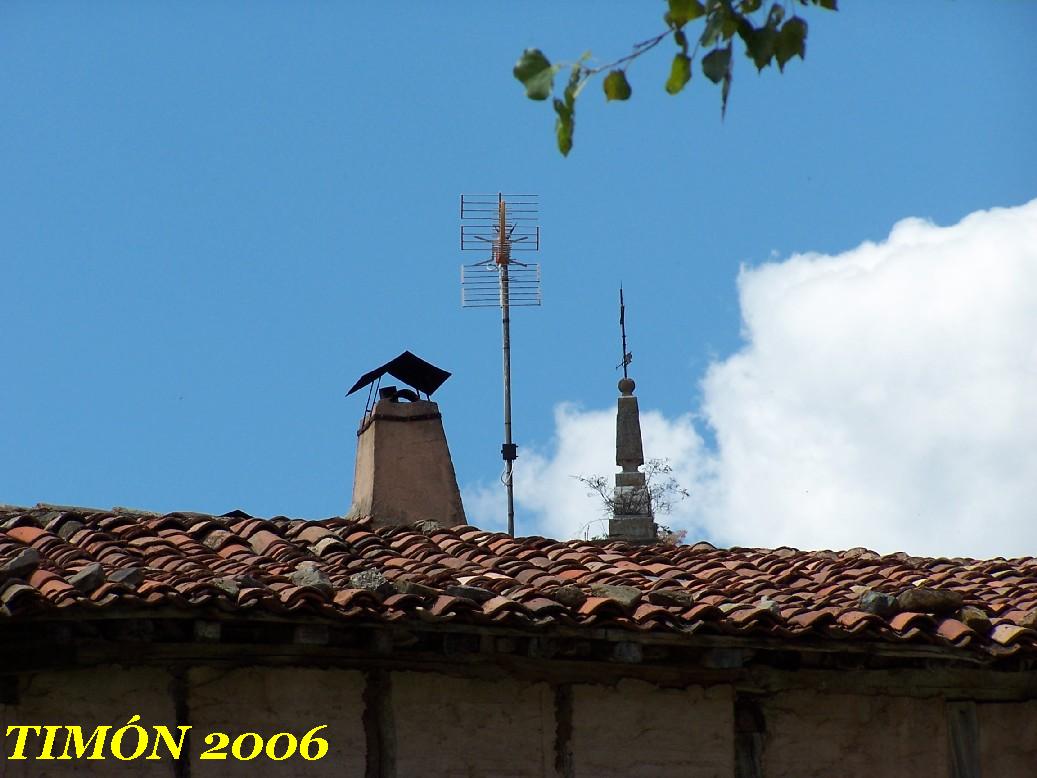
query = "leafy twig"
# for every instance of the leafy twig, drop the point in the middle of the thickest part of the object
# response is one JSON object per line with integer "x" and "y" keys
{"x": 767, "y": 38}
{"x": 660, "y": 493}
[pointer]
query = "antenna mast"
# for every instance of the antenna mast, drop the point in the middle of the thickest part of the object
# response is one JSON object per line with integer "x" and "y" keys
{"x": 502, "y": 223}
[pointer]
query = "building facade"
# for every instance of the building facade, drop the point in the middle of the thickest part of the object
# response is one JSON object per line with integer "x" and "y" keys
{"x": 452, "y": 651}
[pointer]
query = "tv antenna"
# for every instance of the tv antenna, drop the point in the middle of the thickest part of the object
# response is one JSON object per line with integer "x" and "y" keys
{"x": 503, "y": 225}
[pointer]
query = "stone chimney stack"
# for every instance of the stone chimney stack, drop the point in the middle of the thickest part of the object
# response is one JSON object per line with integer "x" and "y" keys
{"x": 404, "y": 473}
{"x": 632, "y": 518}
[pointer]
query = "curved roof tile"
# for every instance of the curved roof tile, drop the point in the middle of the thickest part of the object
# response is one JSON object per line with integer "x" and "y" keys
{"x": 345, "y": 569}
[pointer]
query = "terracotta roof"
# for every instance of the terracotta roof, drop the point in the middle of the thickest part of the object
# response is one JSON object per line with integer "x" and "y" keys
{"x": 63, "y": 561}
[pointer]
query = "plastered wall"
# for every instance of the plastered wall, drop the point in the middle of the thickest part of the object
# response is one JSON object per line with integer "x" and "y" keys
{"x": 272, "y": 700}
{"x": 813, "y": 735}
{"x": 395, "y": 723}
{"x": 500, "y": 728}
{"x": 636, "y": 729}
{"x": 1008, "y": 738}
{"x": 88, "y": 698}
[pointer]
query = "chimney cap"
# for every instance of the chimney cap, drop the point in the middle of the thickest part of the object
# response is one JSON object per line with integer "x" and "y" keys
{"x": 412, "y": 370}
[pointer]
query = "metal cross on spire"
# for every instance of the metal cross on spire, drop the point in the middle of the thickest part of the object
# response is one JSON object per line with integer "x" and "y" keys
{"x": 627, "y": 356}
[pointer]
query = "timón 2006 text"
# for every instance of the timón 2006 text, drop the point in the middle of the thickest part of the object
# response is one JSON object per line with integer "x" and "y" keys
{"x": 132, "y": 741}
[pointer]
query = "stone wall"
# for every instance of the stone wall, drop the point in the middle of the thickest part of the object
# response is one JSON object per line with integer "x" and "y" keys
{"x": 394, "y": 723}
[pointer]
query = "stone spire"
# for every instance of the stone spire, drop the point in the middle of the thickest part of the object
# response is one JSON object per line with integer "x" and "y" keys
{"x": 632, "y": 518}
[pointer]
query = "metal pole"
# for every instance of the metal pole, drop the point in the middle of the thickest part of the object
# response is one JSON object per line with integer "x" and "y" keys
{"x": 482, "y": 232}
{"x": 508, "y": 450}
{"x": 623, "y": 329}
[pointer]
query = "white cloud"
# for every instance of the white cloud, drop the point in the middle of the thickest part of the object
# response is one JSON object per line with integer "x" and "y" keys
{"x": 584, "y": 445}
{"x": 885, "y": 397}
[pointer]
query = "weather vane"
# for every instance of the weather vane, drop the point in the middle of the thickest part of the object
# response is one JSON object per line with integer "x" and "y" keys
{"x": 627, "y": 356}
{"x": 504, "y": 224}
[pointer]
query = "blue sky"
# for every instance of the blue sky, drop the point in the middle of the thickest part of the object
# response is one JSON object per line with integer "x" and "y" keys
{"x": 215, "y": 216}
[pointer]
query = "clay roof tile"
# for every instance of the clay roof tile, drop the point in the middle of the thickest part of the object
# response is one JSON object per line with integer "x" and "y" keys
{"x": 1007, "y": 634}
{"x": 779, "y": 594}
{"x": 904, "y": 622}
{"x": 601, "y": 607}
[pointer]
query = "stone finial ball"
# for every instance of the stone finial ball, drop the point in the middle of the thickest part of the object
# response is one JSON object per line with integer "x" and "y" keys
{"x": 626, "y": 386}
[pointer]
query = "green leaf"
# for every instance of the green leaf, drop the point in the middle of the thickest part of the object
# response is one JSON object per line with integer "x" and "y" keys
{"x": 746, "y": 31}
{"x": 564, "y": 125}
{"x": 791, "y": 41}
{"x": 711, "y": 32}
{"x": 681, "y": 39}
{"x": 725, "y": 90}
{"x": 831, "y": 5}
{"x": 760, "y": 43}
{"x": 575, "y": 86}
{"x": 729, "y": 24}
{"x": 680, "y": 73}
{"x": 760, "y": 46}
{"x": 683, "y": 11}
{"x": 616, "y": 86}
{"x": 716, "y": 64}
{"x": 536, "y": 73}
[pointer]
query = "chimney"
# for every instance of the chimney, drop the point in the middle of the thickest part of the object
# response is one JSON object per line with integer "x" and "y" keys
{"x": 632, "y": 518}
{"x": 404, "y": 473}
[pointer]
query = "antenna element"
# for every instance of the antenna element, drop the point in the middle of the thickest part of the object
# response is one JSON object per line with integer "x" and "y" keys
{"x": 504, "y": 224}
